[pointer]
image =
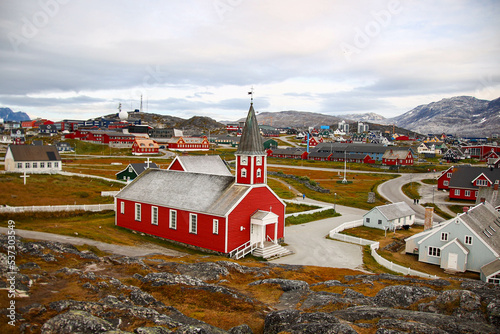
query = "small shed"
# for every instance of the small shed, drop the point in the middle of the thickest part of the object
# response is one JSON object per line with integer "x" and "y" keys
{"x": 390, "y": 216}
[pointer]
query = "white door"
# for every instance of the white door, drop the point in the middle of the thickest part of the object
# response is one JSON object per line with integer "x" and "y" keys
{"x": 256, "y": 234}
{"x": 453, "y": 261}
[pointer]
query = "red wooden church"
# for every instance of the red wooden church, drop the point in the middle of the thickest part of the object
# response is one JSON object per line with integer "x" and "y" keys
{"x": 227, "y": 214}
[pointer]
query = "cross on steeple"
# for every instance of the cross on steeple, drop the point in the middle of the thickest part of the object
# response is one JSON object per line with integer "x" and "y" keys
{"x": 251, "y": 95}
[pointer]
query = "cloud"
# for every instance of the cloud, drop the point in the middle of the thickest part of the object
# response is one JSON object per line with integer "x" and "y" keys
{"x": 196, "y": 57}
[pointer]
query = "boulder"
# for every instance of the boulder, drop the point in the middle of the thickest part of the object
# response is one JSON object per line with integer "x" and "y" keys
{"x": 285, "y": 284}
{"x": 241, "y": 329}
{"x": 292, "y": 321}
{"x": 205, "y": 271}
{"x": 76, "y": 322}
{"x": 402, "y": 295}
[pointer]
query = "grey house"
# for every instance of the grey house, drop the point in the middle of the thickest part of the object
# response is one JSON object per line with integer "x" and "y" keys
{"x": 470, "y": 241}
{"x": 390, "y": 216}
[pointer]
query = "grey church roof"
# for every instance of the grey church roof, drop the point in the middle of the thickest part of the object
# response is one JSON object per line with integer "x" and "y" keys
{"x": 196, "y": 192}
{"x": 34, "y": 153}
{"x": 251, "y": 141}
{"x": 395, "y": 210}
{"x": 208, "y": 164}
{"x": 141, "y": 167}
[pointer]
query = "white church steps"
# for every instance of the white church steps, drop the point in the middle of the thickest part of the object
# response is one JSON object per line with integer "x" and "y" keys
{"x": 271, "y": 251}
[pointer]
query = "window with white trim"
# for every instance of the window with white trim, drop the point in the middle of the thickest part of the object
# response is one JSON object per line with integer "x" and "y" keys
{"x": 138, "y": 212}
{"x": 27, "y": 165}
{"x": 258, "y": 161}
{"x": 457, "y": 192}
{"x": 481, "y": 183}
{"x": 434, "y": 251}
{"x": 42, "y": 164}
{"x": 49, "y": 164}
{"x": 215, "y": 228}
{"x": 56, "y": 164}
{"x": 122, "y": 207}
{"x": 467, "y": 193}
{"x": 243, "y": 172}
{"x": 446, "y": 183}
{"x": 444, "y": 236}
{"x": 468, "y": 240}
{"x": 367, "y": 220}
{"x": 193, "y": 223}
{"x": 259, "y": 172}
{"x": 35, "y": 165}
{"x": 154, "y": 215}
{"x": 19, "y": 165}
{"x": 244, "y": 161}
{"x": 173, "y": 219}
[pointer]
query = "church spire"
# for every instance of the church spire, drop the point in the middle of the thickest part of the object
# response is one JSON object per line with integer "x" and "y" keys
{"x": 251, "y": 141}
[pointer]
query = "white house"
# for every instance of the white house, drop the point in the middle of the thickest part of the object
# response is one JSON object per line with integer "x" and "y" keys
{"x": 390, "y": 216}
{"x": 470, "y": 241}
{"x": 32, "y": 159}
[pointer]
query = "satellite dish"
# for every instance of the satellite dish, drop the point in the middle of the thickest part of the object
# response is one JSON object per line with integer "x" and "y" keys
{"x": 123, "y": 115}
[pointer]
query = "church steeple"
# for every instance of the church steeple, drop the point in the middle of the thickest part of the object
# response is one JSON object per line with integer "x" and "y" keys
{"x": 251, "y": 165}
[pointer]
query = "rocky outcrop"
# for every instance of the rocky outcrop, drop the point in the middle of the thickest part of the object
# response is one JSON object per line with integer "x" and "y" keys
{"x": 117, "y": 294}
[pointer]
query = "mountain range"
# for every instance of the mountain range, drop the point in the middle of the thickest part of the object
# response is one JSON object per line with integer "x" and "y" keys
{"x": 460, "y": 115}
{"x": 8, "y": 115}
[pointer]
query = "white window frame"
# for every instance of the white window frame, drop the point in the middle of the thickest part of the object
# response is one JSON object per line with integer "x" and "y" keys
{"x": 42, "y": 164}
{"x": 193, "y": 223}
{"x": 137, "y": 212}
{"x": 154, "y": 215}
{"x": 26, "y": 165}
{"x": 20, "y": 165}
{"x": 481, "y": 183}
{"x": 172, "y": 223}
{"x": 258, "y": 161}
{"x": 215, "y": 228}
{"x": 457, "y": 192}
{"x": 445, "y": 183}
{"x": 244, "y": 161}
{"x": 467, "y": 193}
{"x": 434, "y": 251}
{"x": 56, "y": 164}
{"x": 49, "y": 164}
{"x": 448, "y": 175}
{"x": 243, "y": 172}
{"x": 259, "y": 172}
{"x": 444, "y": 236}
{"x": 468, "y": 240}
{"x": 122, "y": 207}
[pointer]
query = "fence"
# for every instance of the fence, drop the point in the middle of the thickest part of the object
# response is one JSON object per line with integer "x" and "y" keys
{"x": 295, "y": 214}
{"x": 109, "y": 193}
{"x": 374, "y": 245}
{"x": 54, "y": 208}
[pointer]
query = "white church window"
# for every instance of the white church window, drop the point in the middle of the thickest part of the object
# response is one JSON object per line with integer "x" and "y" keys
{"x": 42, "y": 164}
{"x": 244, "y": 161}
{"x": 154, "y": 215}
{"x": 243, "y": 172}
{"x": 193, "y": 223}
{"x": 138, "y": 212}
{"x": 259, "y": 172}
{"x": 56, "y": 164}
{"x": 122, "y": 207}
{"x": 259, "y": 161}
{"x": 173, "y": 219}
{"x": 27, "y": 165}
{"x": 19, "y": 165}
{"x": 35, "y": 165}
{"x": 49, "y": 165}
{"x": 215, "y": 226}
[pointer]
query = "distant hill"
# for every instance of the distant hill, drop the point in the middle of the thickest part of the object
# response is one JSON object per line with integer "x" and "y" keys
{"x": 460, "y": 115}
{"x": 193, "y": 125}
{"x": 8, "y": 115}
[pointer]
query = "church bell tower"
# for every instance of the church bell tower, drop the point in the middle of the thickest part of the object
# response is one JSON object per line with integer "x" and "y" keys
{"x": 251, "y": 164}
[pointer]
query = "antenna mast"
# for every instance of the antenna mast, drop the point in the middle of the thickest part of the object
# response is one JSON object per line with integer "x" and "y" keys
{"x": 251, "y": 95}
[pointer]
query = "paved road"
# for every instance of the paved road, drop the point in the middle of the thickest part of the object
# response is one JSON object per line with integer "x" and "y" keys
{"x": 311, "y": 247}
{"x": 143, "y": 250}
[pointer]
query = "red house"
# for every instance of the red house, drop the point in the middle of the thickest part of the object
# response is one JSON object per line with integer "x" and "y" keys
{"x": 444, "y": 179}
{"x": 145, "y": 146}
{"x": 232, "y": 215}
{"x": 466, "y": 181}
{"x": 397, "y": 157}
{"x": 189, "y": 143}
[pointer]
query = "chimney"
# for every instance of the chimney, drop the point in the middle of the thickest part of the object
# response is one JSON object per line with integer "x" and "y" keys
{"x": 495, "y": 185}
{"x": 429, "y": 219}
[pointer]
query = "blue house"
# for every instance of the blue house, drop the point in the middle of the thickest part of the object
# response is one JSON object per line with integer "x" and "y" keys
{"x": 389, "y": 217}
{"x": 470, "y": 241}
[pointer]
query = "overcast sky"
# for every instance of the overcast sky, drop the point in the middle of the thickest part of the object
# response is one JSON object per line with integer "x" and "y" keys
{"x": 78, "y": 59}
